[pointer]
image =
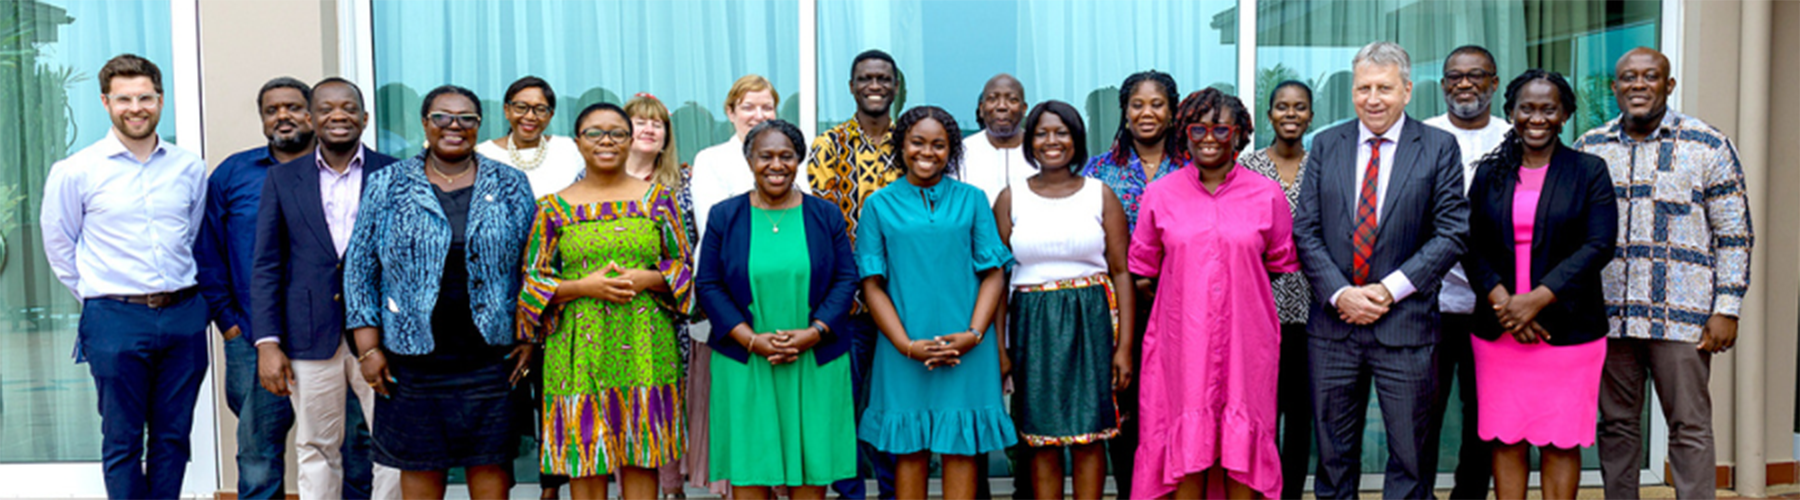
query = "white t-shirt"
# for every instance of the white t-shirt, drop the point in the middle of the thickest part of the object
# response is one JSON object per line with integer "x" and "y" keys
{"x": 1456, "y": 297}
{"x": 1058, "y": 238}
{"x": 562, "y": 163}
{"x": 992, "y": 169}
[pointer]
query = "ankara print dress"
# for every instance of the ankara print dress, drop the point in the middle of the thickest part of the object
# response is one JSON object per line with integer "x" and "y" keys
{"x": 612, "y": 372}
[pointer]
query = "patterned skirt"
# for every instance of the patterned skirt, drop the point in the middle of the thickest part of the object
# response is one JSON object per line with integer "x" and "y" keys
{"x": 1062, "y": 349}
{"x": 612, "y": 389}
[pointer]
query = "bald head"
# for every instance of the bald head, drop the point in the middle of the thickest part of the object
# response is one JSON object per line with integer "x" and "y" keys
{"x": 1001, "y": 106}
{"x": 1642, "y": 84}
{"x": 1645, "y": 56}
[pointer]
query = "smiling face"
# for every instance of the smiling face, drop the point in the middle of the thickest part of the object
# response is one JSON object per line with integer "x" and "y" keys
{"x": 1642, "y": 84}
{"x": 647, "y": 135}
{"x": 454, "y": 140}
{"x": 529, "y": 112}
{"x": 1469, "y": 84}
{"x": 1002, "y": 106}
{"x": 926, "y": 150}
{"x": 773, "y": 161}
{"x": 135, "y": 106}
{"x": 285, "y": 121}
{"x": 338, "y": 120}
{"x": 1052, "y": 144}
{"x": 603, "y": 151}
{"x": 1292, "y": 113}
{"x": 872, "y": 83}
{"x": 1207, "y": 148}
{"x": 1380, "y": 95}
{"x": 1537, "y": 115}
{"x": 754, "y": 108}
{"x": 1148, "y": 112}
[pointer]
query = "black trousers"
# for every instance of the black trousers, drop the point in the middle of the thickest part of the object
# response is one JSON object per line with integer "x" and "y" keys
{"x": 1475, "y": 458}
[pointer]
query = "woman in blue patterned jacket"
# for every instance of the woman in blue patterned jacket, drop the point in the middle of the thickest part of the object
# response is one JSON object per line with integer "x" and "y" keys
{"x": 433, "y": 274}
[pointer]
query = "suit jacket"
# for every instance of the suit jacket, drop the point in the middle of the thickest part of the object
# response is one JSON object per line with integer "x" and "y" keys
{"x": 297, "y": 279}
{"x": 1422, "y": 225}
{"x": 1572, "y": 238}
{"x": 724, "y": 281}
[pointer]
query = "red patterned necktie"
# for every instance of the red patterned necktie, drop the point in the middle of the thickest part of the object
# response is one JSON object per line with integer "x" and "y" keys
{"x": 1365, "y": 215}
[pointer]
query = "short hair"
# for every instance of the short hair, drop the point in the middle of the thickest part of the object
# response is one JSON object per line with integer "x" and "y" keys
{"x": 355, "y": 89}
{"x": 876, "y": 54}
{"x": 787, "y": 130}
{"x": 598, "y": 107}
{"x": 1122, "y": 138}
{"x": 430, "y": 97}
{"x": 526, "y": 83}
{"x": 284, "y": 82}
{"x": 1384, "y": 53}
{"x": 1471, "y": 49}
{"x": 668, "y": 161}
{"x": 747, "y": 84}
{"x": 981, "y": 122}
{"x": 1290, "y": 83}
{"x": 911, "y": 118}
{"x": 1199, "y": 105}
{"x": 1070, "y": 118}
{"x": 127, "y": 66}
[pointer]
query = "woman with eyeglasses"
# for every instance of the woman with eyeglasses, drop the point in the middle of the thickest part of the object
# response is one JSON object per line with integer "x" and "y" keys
{"x": 430, "y": 282}
{"x": 607, "y": 278}
{"x": 551, "y": 162}
{"x": 1208, "y": 237}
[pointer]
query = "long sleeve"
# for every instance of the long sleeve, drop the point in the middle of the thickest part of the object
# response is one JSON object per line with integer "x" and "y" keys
{"x": 537, "y": 316}
{"x": 362, "y": 263}
{"x": 840, "y": 298}
{"x": 1728, "y": 214}
{"x": 710, "y": 288}
{"x": 266, "y": 266}
{"x": 1449, "y": 223}
{"x": 1602, "y": 235}
{"x": 1476, "y": 264}
{"x": 212, "y": 258}
{"x": 1146, "y": 253}
{"x": 1322, "y": 273}
{"x": 61, "y": 218}
{"x": 676, "y": 267}
{"x": 1279, "y": 240}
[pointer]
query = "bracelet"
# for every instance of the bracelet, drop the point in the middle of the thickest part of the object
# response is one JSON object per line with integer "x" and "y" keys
{"x": 365, "y": 354}
{"x": 823, "y": 328}
{"x": 978, "y": 335}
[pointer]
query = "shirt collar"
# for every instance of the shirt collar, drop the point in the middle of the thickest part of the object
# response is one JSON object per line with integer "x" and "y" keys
{"x": 356, "y": 161}
{"x": 1671, "y": 121}
{"x": 115, "y": 146}
{"x": 1363, "y": 134}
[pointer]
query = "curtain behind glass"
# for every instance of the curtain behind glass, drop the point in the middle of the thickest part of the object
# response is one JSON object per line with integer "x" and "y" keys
{"x": 50, "y": 51}
{"x": 685, "y": 52}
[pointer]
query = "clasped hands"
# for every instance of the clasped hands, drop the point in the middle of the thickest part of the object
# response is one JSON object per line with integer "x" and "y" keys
{"x": 783, "y": 346}
{"x": 1517, "y": 314}
{"x": 1365, "y": 304}
{"x": 612, "y": 284}
{"x": 943, "y": 350}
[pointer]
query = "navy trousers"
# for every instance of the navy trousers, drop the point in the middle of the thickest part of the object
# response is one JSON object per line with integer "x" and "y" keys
{"x": 147, "y": 366}
{"x": 1405, "y": 378}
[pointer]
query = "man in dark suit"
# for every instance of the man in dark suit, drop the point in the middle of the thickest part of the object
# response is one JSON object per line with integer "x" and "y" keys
{"x": 1382, "y": 217}
{"x": 308, "y": 208}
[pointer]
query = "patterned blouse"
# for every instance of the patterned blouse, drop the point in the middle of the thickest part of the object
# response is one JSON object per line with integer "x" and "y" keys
{"x": 845, "y": 167}
{"x": 543, "y": 265}
{"x": 1128, "y": 182}
{"x": 1292, "y": 298}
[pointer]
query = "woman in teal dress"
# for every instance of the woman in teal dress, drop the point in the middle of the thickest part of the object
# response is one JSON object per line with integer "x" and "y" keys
{"x": 776, "y": 268}
{"x": 606, "y": 278}
{"x": 933, "y": 269}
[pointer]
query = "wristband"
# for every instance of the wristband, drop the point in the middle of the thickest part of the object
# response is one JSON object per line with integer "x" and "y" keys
{"x": 365, "y": 354}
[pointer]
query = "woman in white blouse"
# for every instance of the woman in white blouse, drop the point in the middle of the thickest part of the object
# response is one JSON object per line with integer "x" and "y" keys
{"x": 552, "y": 163}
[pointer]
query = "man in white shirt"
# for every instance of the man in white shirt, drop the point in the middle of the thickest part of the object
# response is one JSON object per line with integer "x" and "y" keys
{"x": 1470, "y": 79}
{"x": 995, "y": 158}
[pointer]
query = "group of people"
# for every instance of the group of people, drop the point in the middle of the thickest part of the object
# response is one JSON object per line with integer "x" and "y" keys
{"x": 1192, "y": 315}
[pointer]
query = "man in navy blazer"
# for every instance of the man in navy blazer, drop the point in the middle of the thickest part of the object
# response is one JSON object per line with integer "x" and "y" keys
{"x": 1382, "y": 217}
{"x": 308, "y": 208}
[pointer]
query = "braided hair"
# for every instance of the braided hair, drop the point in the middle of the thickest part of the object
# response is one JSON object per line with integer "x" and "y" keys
{"x": 1506, "y": 158}
{"x": 912, "y": 117}
{"x": 1200, "y": 105}
{"x": 1122, "y": 139}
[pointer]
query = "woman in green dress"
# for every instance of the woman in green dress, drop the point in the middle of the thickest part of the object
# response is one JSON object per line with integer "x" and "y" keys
{"x": 777, "y": 269}
{"x": 606, "y": 278}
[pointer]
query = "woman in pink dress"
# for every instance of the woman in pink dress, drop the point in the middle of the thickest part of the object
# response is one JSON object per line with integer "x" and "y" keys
{"x": 1542, "y": 224}
{"x": 1210, "y": 235}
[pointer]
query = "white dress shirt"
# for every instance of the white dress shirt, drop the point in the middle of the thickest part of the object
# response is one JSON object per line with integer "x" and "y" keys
{"x": 993, "y": 169}
{"x": 1456, "y": 297}
{"x": 1398, "y": 285}
{"x": 116, "y": 226}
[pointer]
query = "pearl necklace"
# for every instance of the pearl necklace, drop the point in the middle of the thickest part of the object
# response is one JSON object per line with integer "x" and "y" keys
{"x": 512, "y": 150}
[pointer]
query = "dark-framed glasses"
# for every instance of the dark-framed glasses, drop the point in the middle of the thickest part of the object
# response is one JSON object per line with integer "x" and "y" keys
{"x": 1198, "y": 131}
{"x": 443, "y": 120}
{"x": 524, "y": 108}
{"x": 1473, "y": 76}
{"x": 597, "y": 134}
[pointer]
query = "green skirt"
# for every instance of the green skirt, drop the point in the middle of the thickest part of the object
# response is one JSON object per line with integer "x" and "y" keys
{"x": 1062, "y": 350}
{"x": 788, "y": 425}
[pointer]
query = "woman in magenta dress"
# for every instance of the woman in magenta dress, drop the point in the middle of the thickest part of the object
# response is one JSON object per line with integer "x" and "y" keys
{"x": 1210, "y": 236}
{"x": 1542, "y": 224}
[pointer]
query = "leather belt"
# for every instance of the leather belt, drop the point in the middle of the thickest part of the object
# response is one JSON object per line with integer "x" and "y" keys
{"x": 157, "y": 300}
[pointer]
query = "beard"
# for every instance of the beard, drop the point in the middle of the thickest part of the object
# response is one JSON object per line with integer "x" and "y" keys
{"x": 1470, "y": 110}
{"x": 297, "y": 142}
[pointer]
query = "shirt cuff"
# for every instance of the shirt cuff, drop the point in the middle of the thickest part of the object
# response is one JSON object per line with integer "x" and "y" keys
{"x": 1398, "y": 286}
{"x": 1336, "y": 294}
{"x": 269, "y": 340}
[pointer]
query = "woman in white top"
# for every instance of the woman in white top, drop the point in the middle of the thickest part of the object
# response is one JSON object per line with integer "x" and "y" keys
{"x": 552, "y": 163}
{"x": 720, "y": 171}
{"x": 1070, "y": 237}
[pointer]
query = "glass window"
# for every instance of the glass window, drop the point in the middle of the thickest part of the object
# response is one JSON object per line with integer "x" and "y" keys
{"x": 685, "y": 52}
{"x": 50, "y": 51}
{"x": 1069, "y": 50}
{"x": 1314, "y": 42}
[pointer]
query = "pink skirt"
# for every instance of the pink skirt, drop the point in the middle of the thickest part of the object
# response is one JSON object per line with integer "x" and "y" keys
{"x": 1538, "y": 393}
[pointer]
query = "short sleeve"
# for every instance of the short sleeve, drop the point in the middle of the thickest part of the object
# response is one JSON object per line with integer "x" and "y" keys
{"x": 984, "y": 237}
{"x": 871, "y": 249}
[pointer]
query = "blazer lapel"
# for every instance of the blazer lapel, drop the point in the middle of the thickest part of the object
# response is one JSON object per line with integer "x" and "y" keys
{"x": 1406, "y": 158}
{"x": 1557, "y": 183}
{"x": 1344, "y": 179}
{"x": 312, "y": 202}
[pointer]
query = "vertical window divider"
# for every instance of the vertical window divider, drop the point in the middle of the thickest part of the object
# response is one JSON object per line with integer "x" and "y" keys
{"x": 356, "y": 54}
{"x": 809, "y": 67}
{"x": 1246, "y": 55}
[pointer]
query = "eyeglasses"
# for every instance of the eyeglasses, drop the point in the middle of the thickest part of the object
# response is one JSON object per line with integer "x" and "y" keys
{"x": 443, "y": 120}
{"x": 149, "y": 99}
{"x": 1472, "y": 76}
{"x": 524, "y": 108}
{"x": 1222, "y": 133}
{"x": 596, "y": 135}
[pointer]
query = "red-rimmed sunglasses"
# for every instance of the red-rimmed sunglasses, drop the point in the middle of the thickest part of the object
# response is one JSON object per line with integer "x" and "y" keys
{"x": 1222, "y": 133}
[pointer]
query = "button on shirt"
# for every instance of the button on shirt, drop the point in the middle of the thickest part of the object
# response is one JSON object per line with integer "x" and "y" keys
{"x": 116, "y": 226}
{"x": 1398, "y": 285}
{"x": 341, "y": 195}
{"x": 1456, "y": 297}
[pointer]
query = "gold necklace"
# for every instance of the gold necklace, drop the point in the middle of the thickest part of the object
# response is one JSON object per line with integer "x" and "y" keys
{"x": 449, "y": 180}
{"x": 774, "y": 223}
